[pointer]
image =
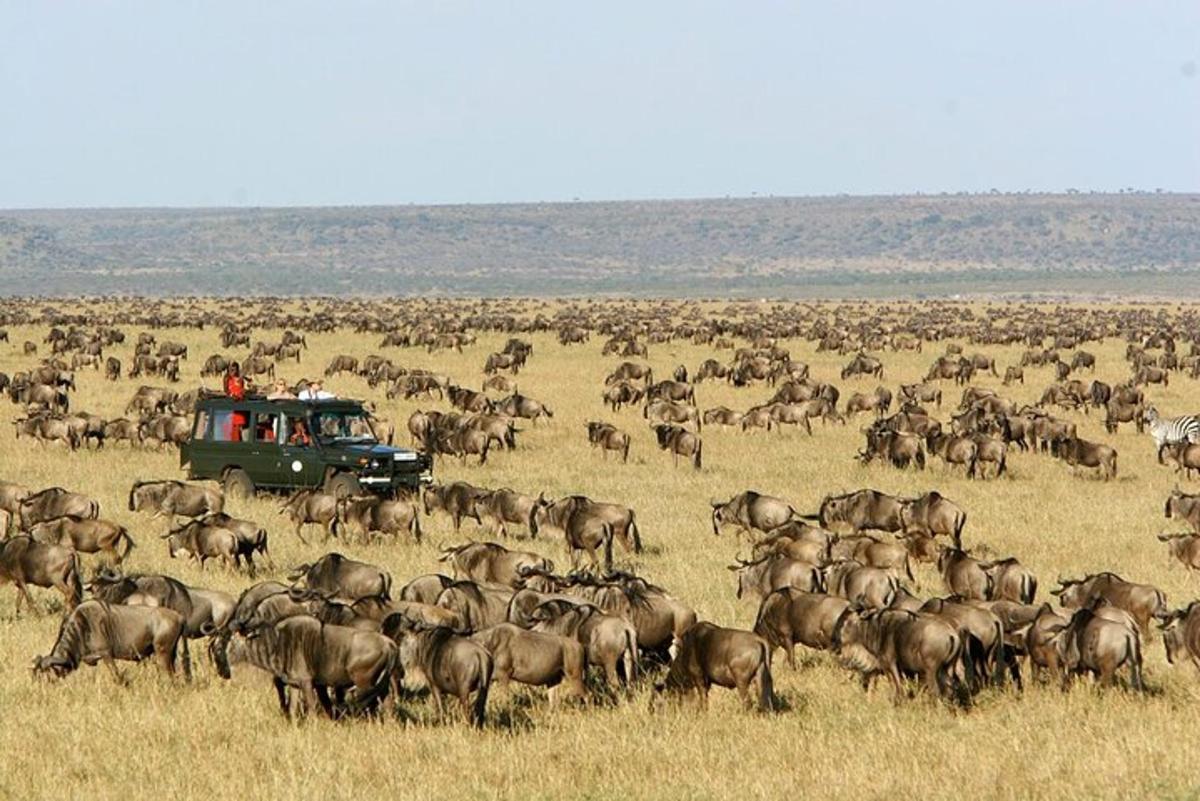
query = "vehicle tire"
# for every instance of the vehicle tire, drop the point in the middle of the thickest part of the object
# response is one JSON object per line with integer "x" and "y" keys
{"x": 238, "y": 484}
{"x": 343, "y": 485}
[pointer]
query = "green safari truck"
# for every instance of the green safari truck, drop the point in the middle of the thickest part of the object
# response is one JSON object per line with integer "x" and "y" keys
{"x": 287, "y": 445}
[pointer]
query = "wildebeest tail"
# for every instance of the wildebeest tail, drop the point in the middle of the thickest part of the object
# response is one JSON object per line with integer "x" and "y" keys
{"x": 1029, "y": 586}
{"x": 608, "y": 548}
{"x": 479, "y": 710}
{"x": 635, "y": 533}
{"x": 959, "y": 523}
{"x": 74, "y": 580}
{"x": 386, "y": 593}
{"x": 696, "y": 457}
{"x": 766, "y": 686}
{"x": 625, "y": 451}
{"x": 631, "y": 656}
{"x": 1003, "y": 464}
{"x": 415, "y": 528}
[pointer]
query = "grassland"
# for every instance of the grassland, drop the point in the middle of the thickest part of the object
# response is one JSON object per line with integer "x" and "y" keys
{"x": 86, "y": 737}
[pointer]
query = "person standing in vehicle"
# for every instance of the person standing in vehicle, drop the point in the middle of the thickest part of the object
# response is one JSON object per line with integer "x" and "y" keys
{"x": 235, "y": 387}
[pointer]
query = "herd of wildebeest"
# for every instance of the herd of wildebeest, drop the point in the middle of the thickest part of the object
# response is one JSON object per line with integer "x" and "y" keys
{"x": 341, "y": 636}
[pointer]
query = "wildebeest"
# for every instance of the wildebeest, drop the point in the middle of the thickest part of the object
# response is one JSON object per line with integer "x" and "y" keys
{"x": 170, "y": 498}
{"x": 457, "y": 500}
{"x": 1181, "y": 634}
{"x": 751, "y": 511}
{"x": 899, "y": 448}
{"x": 54, "y": 502}
{"x": 1011, "y": 581}
{"x": 680, "y": 442}
{"x": 863, "y": 364}
{"x": 609, "y": 641}
{"x": 343, "y": 579}
{"x": 710, "y": 654}
{"x": 1184, "y": 547}
{"x": 476, "y": 606}
{"x": 517, "y": 405}
{"x": 202, "y": 542}
{"x": 315, "y": 658}
{"x": 1093, "y": 643}
{"x": 577, "y": 515}
{"x": 1142, "y": 601}
{"x": 534, "y": 658}
{"x": 608, "y": 437}
{"x": 964, "y": 575}
{"x": 25, "y": 561}
{"x": 366, "y": 514}
{"x": 863, "y": 510}
{"x": 492, "y": 563}
{"x": 770, "y": 572}
{"x": 312, "y": 506}
{"x": 85, "y": 536}
{"x": 438, "y": 658}
{"x": 863, "y": 585}
{"x": 96, "y": 632}
{"x": 499, "y": 508}
{"x": 1077, "y": 452}
{"x": 878, "y": 401}
{"x": 1185, "y": 455}
{"x": 935, "y": 514}
{"x": 1183, "y": 507}
{"x": 899, "y": 643}
{"x": 45, "y": 428}
{"x": 789, "y": 616}
{"x": 954, "y": 450}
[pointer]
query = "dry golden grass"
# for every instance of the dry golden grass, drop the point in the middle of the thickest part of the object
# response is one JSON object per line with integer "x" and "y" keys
{"x": 86, "y": 737}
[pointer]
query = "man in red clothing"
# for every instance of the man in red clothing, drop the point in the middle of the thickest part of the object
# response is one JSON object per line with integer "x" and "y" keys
{"x": 235, "y": 387}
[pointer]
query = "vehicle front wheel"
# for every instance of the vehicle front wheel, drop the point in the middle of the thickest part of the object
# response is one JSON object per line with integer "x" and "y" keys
{"x": 343, "y": 485}
{"x": 238, "y": 484}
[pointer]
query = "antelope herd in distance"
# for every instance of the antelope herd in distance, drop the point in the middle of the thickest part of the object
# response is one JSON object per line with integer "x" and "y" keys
{"x": 345, "y": 638}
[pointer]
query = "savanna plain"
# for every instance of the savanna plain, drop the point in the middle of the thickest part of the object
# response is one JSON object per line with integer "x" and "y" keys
{"x": 85, "y": 736}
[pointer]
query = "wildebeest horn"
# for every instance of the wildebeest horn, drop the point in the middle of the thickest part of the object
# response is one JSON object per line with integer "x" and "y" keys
{"x": 1165, "y": 537}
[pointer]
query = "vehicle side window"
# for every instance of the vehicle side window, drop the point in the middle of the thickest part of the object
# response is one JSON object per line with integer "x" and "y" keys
{"x": 222, "y": 425}
{"x": 201, "y": 429}
{"x": 265, "y": 427}
{"x": 231, "y": 426}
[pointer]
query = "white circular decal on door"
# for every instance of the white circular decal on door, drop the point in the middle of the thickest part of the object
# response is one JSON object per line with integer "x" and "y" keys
{"x": 296, "y": 466}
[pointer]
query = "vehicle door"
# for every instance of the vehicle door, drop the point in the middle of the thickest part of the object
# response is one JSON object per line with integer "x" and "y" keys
{"x": 264, "y": 462}
{"x": 231, "y": 440}
{"x": 299, "y": 454}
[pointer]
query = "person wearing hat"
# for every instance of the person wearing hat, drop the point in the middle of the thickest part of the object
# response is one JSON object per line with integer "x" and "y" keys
{"x": 280, "y": 391}
{"x": 315, "y": 391}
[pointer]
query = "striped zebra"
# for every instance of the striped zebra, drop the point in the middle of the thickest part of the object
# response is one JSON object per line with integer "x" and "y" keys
{"x": 1172, "y": 430}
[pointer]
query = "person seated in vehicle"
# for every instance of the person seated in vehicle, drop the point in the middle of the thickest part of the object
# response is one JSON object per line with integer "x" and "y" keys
{"x": 280, "y": 391}
{"x": 299, "y": 435}
{"x": 315, "y": 391}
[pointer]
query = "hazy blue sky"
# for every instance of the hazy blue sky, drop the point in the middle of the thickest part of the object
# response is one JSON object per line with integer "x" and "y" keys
{"x": 265, "y": 103}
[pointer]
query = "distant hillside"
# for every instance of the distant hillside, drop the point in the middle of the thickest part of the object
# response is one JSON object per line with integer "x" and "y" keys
{"x": 778, "y": 246}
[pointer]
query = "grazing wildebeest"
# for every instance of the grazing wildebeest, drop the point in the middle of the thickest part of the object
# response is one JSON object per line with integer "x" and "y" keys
{"x": 96, "y": 632}
{"x": 312, "y": 506}
{"x": 517, "y": 405}
{"x": 878, "y": 401}
{"x": 170, "y": 498}
{"x": 425, "y": 589}
{"x": 438, "y": 658}
{"x": 457, "y": 500}
{"x": 1184, "y": 547}
{"x": 1142, "y": 601}
{"x": 343, "y": 579}
{"x": 710, "y": 654}
{"x": 900, "y": 643}
{"x": 721, "y": 416}
{"x": 202, "y": 543}
{"x": 534, "y": 658}
{"x": 11, "y": 497}
{"x": 609, "y": 641}
{"x": 1081, "y": 453}
{"x": 313, "y": 657}
{"x": 85, "y": 536}
{"x": 492, "y": 563}
{"x": 499, "y": 508}
{"x": 863, "y": 364}
{"x": 366, "y": 514}
{"x": 25, "y": 561}
{"x": 921, "y": 393}
{"x": 679, "y": 391}
{"x": 954, "y": 450}
{"x": 788, "y": 616}
{"x": 1181, "y": 634}
{"x": 1014, "y": 373}
{"x": 899, "y": 448}
{"x": 680, "y": 442}
{"x": 1185, "y": 455}
{"x": 664, "y": 411}
{"x": 751, "y": 511}
{"x": 475, "y": 605}
{"x": 608, "y": 437}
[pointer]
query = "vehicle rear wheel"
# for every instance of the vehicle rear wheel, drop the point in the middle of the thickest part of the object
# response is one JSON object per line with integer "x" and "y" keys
{"x": 238, "y": 484}
{"x": 343, "y": 485}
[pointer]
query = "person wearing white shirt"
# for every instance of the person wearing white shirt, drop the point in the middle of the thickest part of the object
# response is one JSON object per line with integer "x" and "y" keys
{"x": 315, "y": 391}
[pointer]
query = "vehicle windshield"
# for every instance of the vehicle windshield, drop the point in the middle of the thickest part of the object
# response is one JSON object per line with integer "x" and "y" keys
{"x": 346, "y": 425}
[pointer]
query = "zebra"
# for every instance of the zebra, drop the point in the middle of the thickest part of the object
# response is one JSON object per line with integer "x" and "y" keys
{"x": 1172, "y": 430}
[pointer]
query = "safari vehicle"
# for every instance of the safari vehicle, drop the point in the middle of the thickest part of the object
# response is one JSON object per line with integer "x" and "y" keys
{"x": 287, "y": 445}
